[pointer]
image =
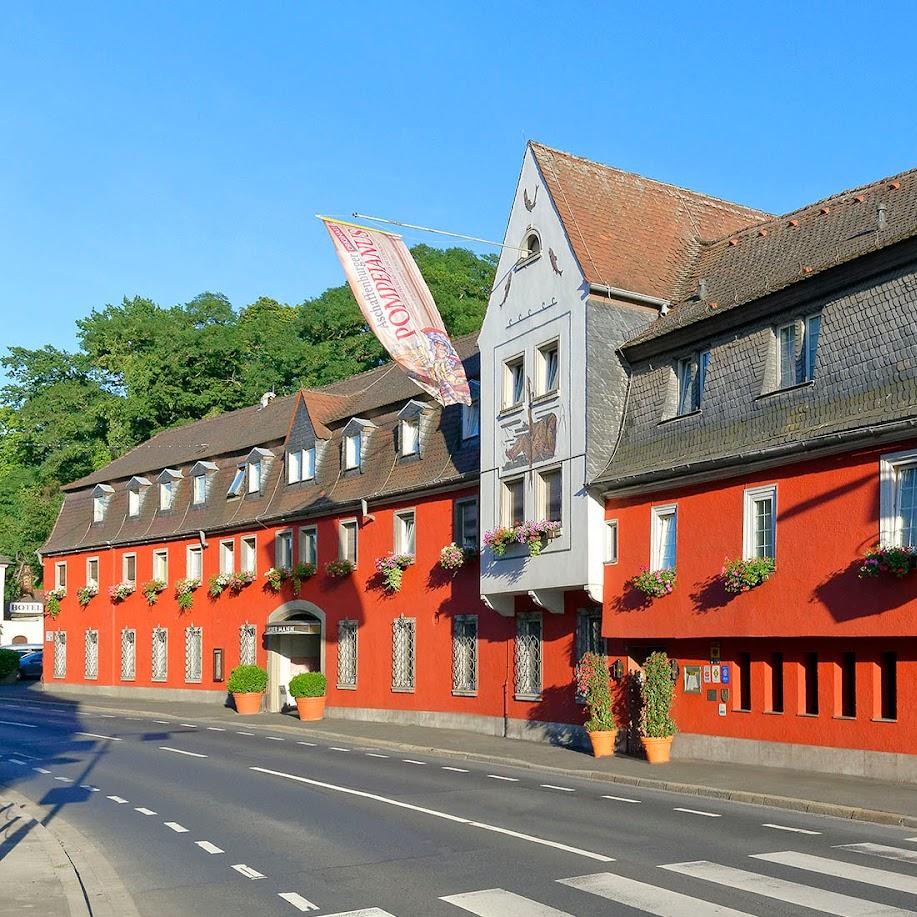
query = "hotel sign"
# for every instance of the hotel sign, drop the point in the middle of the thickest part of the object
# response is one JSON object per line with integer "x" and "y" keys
{"x": 31, "y": 609}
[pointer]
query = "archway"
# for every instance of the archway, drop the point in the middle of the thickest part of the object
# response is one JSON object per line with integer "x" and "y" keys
{"x": 295, "y": 642}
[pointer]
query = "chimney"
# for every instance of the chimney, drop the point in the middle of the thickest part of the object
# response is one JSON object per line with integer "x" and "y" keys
{"x": 267, "y": 398}
{"x": 702, "y": 288}
{"x": 881, "y": 218}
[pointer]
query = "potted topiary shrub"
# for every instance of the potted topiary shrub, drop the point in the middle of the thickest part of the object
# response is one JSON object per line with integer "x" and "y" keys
{"x": 595, "y": 687}
{"x": 247, "y": 684}
{"x": 9, "y": 666}
{"x": 308, "y": 689}
{"x": 658, "y": 692}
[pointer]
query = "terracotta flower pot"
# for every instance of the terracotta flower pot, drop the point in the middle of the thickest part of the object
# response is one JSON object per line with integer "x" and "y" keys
{"x": 658, "y": 750}
{"x": 248, "y": 702}
{"x": 603, "y": 743}
{"x": 310, "y": 708}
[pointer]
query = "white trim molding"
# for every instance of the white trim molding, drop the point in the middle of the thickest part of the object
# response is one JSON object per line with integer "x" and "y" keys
{"x": 751, "y": 496}
{"x": 889, "y": 465}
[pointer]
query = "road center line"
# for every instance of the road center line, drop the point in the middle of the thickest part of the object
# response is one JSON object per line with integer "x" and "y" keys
{"x": 375, "y": 754}
{"x": 788, "y": 828}
{"x": 696, "y": 812}
{"x": 17, "y": 761}
{"x": 161, "y": 722}
{"x": 274, "y": 739}
{"x": 41, "y": 770}
{"x": 337, "y": 748}
{"x": 457, "y": 770}
{"x": 144, "y": 811}
{"x": 435, "y": 813}
{"x": 95, "y": 735}
{"x": 215, "y": 729}
{"x": 118, "y": 799}
{"x": 208, "y": 847}
{"x": 563, "y": 789}
{"x": 64, "y": 779}
{"x": 310, "y": 744}
{"x": 24, "y": 725}
{"x": 178, "y": 751}
{"x": 176, "y": 827}
{"x": 90, "y": 787}
{"x": 247, "y": 871}
{"x": 622, "y": 799}
{"x": 189, "y": 725}
{"x": 244, "y": 733}
{"x": 508, "y": 779}
{"x": 297, "y": 900}
{"x": 412, "y": 761}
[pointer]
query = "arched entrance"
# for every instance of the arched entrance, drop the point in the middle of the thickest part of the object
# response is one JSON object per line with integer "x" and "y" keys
{"x": 295, "y": 642}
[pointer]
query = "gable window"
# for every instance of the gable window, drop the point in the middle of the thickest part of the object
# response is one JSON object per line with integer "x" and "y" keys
{"x": 797, "y": 344}
{"x": 254, "y": 477}
{"x": 228, "y": 556}
{"x": 353, "y": 448}
{"x": 308, "y": 545}
{"x": 405, "y": 533}
{"x": 513, "y": 381}
{"x": 300, "y": 465}
{"x": 283, "y": 550}
{"x": 347, "y": 540}
{"x": 663, "y": 532}
{"x": 60, "y": 575}
{"x": 249, "y": 554}
{"x": 898, "y": 498}
{"x": 550, "y": 495}
{"x": 760, "y": 535}
{"x": 548, "y": 368}
{"x": 199, "y": 489}
{"x": 466, "y": 523}
{"x": 92, "y": 571}
{"x": 513, "y": 510}
{"x": 166, "y": 495}
{"x": 692, "y": 375}
{"x": 611, "y": 541}
{"x": 235, "y": 488}
{"x": 129, "y": 568}
{"x": 194, "y": 562}
{"x": 531, "y": 247}
{"x": 409, "y": 436}
{"x": 161, "y": 566}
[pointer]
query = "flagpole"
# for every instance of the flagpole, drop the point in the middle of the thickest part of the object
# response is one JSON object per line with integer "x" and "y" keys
{"x": 325, "y": 219}
{"x": 439, "y": 232}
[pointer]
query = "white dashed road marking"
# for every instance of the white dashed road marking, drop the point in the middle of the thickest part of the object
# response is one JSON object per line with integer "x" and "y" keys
{"x": 189, "y": 725}
{"x": 108, "y": 716}
{"x": 90, "y": 787}
{"x": 882, "y": 850}
{"x": 161, "y": 722}
{"x": 176, "y": 827}
{"x": 17, "y": 761}
{"x": 457, "y": 770}
{"x": 839, "y": 869}
{"x": 622, "y": 799}
{"x": 298, "y": 901}
{"x": 788, "y": 828}
{"x": 310, "y": 744}
{"x": 24, "y": 725}
{"x": 412, "y": 761}
{"x": 41, "y": 770}
{"x": 178, "y": 751}
{"x": 563, "y": 789}
{"x": 144, "y": 811}
{"x": 244, "y": 733}
{"x": 118, "y": 799}
{"x": 508, "y": 779}
{"x": 64, "y": 779}
{"x": 95, "y": 735}
{"x": 337, "y": 748}
{"x": 274, "y": 738}
{"x": 696, "y": 812}
{"x": 373, "y": 754}
{"x": 248, "y": 872}
{"x": 208, "y": 847}
{"x": 215, "y": 729}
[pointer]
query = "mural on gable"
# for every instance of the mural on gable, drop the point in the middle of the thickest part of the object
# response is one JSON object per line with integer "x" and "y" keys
{"x": 528, "y": 443}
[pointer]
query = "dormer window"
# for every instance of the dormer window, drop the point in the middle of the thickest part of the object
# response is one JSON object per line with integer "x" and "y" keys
{"x": 257, "y": 463}
{"x": 471, "y": 413}
{"x": 354, "y": 442}
{"x": 136, "y": 488}
{"x": 409, "y": 428}
{"x": 168, "y": 484}
{"x": 300, "y": 465}
{"x": 236, "y": 487}
{"x": 254, "y": 477}
{"x": 200, "y": 475}
{"x": 101, "y": 494}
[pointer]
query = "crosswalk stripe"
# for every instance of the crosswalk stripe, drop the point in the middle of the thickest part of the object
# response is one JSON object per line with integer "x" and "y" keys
{"x": 882, "y": 850}
{"x": 817, "y": 899}
{"x": 649, "y": 898}
{"x": 497, "y": 902}
{"x": 297, "y": 900}
{"x": 865, "y": 874}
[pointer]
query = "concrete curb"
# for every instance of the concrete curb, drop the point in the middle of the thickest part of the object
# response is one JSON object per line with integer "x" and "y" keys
{"x": 789, "y": 803}
{"x": 91, "y": 885}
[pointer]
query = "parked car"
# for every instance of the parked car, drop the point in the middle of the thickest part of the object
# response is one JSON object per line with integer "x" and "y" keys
{"x": 23, "y": 648}
{"x": 30, "y": 665}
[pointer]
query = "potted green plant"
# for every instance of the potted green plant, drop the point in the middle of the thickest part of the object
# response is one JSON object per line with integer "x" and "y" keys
{"x": 184, "y": 592}
{"x": 54, "y": 598}
{"x": 308, "y": 690}
{"x": 658, "y": 693}
{"x": 247, "y": 684}
{"x": 743, "y": 575}
{"x": 391, "y": 568}
{"x": 654, "y": 583}
{"x": 9, "y": 666}
{"x": 342, "y": 567}
{"x": 152, "y": 589}
{"x": 594, "y": 685}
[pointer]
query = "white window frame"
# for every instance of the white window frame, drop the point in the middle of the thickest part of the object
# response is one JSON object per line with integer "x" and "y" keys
{"x": 121, "y": 675}
{"x": 405, "y": 525}
{"x": 194, "y": 550}
{"x": 161, "y": 565}
{"x": 98, "y": 508}
{"x": 754, "y": 495}
{"x": 345, "y": 525}
{"x": 124, "y": 561}
{"x": 506, "y": 501}
{"x": 890, "y": 465}
{"x": 90, "y": 579}
{"x": 805, "y": 324}
{"x": 543, "y": 491}
{"x": 133, "y": 502}
{"x": 542, "y": 367}
{"x": 657, "y": 513}
{"x": 294, "y": 466}
{"x": 198, "y": 489}
{"x": 611, "y": 547}
{"x": 460, "y": 534}
{"x": 409, "y": 436}
{"x": 166, "y": 495}
{"x": 248, "y": 554}
{"x": 164, "y": 676}
{"x": 308, "y": 464}
{"x": 304, "y": 539}
{"x": 253, "y": 477}
{"x": 228, "y": 556}
{"x": 196, "y": 632}
{"x": 281, "y": 538}
{"x": 238, "y": 481}
{"x": 691, "y": 377}
{"x": 353, "y": 451}
{"x": 509, "y": 381}
{"x": 60, "y": 574}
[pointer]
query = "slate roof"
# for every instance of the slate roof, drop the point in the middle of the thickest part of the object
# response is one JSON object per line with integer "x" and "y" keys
{"x": 378, "y": 395}
{"x": 632, "y": 232}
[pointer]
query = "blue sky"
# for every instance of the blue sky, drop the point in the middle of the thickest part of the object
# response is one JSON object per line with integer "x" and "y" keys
{"x": 165, "y": 149}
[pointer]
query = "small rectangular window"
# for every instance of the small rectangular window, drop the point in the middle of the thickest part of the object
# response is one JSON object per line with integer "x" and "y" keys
{"x": 60, "y": 654}
{"x": 228, "y": 556}
{"x": 528, "y": 657}
{"x": 254, "y": 477}
{"x": 199, "y": 489}
{"x": 92, "y": 571}
{"x": 887, "y": 687}
{"x": 906, "y": 505}
{"x": 353, "y": 448}
{"x": 409, "y": 436}
{"x": 133, "y": 502}
{"x": 513, "y": 502}
{"x": 513, "y": 382}
{"x": 166, "y": 495}
{"x": 664, "y": 535}
{"x": 611, "y": 541}
{"x": 161, "y": 566}
{"x": 548, "y": 368}
{"x": 194, "y": 562}
{"x": 308, "y": 464}
{"x": 60, "y": 575}
{"x": 405, "y": 533}
{"x": 692, "y": 375}
{"x": 308, "y": 545}
{"x": 589, "y": 637}
{"x": 776, "y": 683}
{"x": 248, "y": 644}
{"x": 760, "y": 533}
{"x": 283, "y": 550}
{"x": 249, "y": 554}
{"x": 160, "y": 654}
{"x": 743, "y": 673}
{"x": 845, "y": 686}
{"x": 235, "y": 488}
{"x": 98, "y": 508}
{"x": 91, "y": 656}
{"x": 129, "y": 568}
{"x": 403, "y": 654}
{"x": 466, "y": 524}
{"x": 797, "y": 346}
{"x": 347, "y": 541}
{"x": 294, "y": 466}
{"x": 550, "y": 495}
{"x": 347, "y": 654}
{"x": 194, "y": 654}
{"x": 128, "y": 654}
{"x": 465, "y": 654}
{"x": 809, "y": 684}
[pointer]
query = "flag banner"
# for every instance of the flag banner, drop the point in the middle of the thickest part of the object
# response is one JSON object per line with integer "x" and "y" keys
{"x": 399, "y": 309}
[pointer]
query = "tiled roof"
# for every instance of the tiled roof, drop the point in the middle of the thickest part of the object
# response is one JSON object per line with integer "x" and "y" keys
{"x": 770, "y": 256}
{"x": 631, "y": 232}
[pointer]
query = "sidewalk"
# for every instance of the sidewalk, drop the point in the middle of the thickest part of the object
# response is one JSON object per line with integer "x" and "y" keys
{"x": 817, "y": 793}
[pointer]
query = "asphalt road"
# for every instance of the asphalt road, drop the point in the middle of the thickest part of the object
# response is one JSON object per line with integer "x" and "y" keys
{"x": 234, "y": 821}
